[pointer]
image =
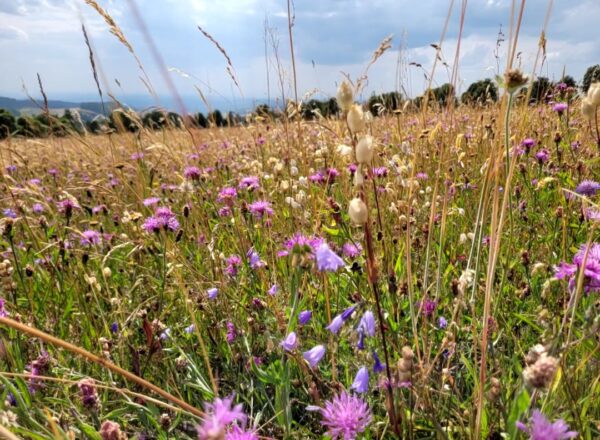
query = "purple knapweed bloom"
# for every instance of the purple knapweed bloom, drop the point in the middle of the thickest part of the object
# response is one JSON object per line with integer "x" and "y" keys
{"x": 220, "y": 415}
{"x": 233, "y": 263}
{"x": 192, "y": 173}
{"x": 314, "y": 355}
{"x": 560, "y": 107}
{"x": 327, "y": 260}
{"x": 237, "y": 433}
{"x": 542, "y": 429}
{"x": 588, "y": 188}
{"x": 345, "y": 416}
{"x": 163, "y": 218}
{"x": 37, "y": 208}
{"x": 90, "y": 238}
{"x": 231, "y": 332}
{"x": 66, "y": 206}
{"x": 591, "y": 269}
{"x": 254, "y": 259}
{"x": 260, "y": 208}
{"x": 250, "y": 182}
{"x": 351, "y": 250}
{"x": 542, "y": 156}
{"x": 304, "y": 317}
{"x": 290, "y": 342}
{"x": 227, "y": 195}
{"x": 151, "y": 201}
{"x": 361, "y": 381}
{"x": 3, "y": 312}
{"x": 10, "y": 213}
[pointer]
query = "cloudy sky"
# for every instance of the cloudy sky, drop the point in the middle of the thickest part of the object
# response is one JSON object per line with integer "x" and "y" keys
{"x": 331, "y": 36}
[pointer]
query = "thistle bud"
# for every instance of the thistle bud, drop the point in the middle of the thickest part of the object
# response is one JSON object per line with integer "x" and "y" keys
{"x": 356, "y": 119}
{"x": 357, "y": 210}
{"x": 513, "y": 79}
{"x": 364, "y": 150}
{"x": 344, "y": 96}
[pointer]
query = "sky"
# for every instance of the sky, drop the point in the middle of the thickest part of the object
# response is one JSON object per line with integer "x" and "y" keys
{"x": 331, "y": 37}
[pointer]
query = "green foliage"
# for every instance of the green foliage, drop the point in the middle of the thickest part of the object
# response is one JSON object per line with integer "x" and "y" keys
{"x": 480, "y": 92}
{"x": 8, "y": 123}
{"x": 592, "y": 75}
{"x": 384, "y": 103}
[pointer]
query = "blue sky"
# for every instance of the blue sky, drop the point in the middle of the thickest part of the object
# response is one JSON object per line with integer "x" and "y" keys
{"x": 331, "y": 36}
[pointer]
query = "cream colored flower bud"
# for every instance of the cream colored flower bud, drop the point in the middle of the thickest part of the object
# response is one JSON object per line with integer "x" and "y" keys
{"x": 357, "y": 210}
{"x": 344, "y": 96}
{"x": 587, "y": 108}
{"x": 344, "y": 150}
{"x": 356, "y": 119}
{"x": 593, "y": 94}
{"x": 107, "y": 272}
{"x": 463, "y": 238}
{"x": 359, "y": 179}
{"x": 364, "y": 150}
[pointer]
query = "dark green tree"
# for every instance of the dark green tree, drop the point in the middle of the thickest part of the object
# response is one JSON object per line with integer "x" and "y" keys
{"x": 539, "y": 89}
{"x": 201, "y": 120}
{"x": 7, "y": 123}
{"x": 384, "y": 103}
{"x": 480, "y": 92}
{"x": 568, "y": 80}
{"x": 592, "y": 75}
{"x": 123, "y": 121}
{"x": 216, "y": 118}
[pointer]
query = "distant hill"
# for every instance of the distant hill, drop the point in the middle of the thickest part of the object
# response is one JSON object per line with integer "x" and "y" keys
{"x": 88, "y": 110}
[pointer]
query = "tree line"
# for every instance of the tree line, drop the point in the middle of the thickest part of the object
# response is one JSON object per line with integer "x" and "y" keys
{"x": 481, "y": 92}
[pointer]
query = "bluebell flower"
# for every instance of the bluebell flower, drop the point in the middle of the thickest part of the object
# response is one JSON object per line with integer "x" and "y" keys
{"x": 361, "y": 381}
{"x": 336, "y": 324}
{"x": 442, "y": 323}
{"x": 165, "y": 335}
{"x": 361, "y": 340}
{"x": 114, "y": 327}
{"x": 314, "y": 355}
{"x": 212, "y": 292}
{"x": 348, "y": 312}
{"x": 304, "y": 317}
{"x": 378, "y": 367}
{"x": 290, "y": 342}
{"x": 327, "y": 260}
{"x": 190, "y": 329}
{"x": 367, "y": 323}
{"x": 273, "y": 290}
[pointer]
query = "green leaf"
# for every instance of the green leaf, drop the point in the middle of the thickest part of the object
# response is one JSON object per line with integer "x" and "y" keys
{"x": 519, "y": 406}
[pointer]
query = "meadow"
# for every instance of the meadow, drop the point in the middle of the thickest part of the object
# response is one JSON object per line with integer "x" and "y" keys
{"x": 357, "y": 276}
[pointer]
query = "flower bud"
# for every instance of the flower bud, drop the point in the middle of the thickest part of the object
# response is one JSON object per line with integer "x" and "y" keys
{"x": 356, "y": 119}
{"x": 587, "y": 108}
{"x": 359, "y": 179}
{"x": 513, "y": 79}
{"x": 593, "y": 94}
{"x": 344, "y": 96}
{"x": 357, "y": 210}
{"x": 364, "y": 150}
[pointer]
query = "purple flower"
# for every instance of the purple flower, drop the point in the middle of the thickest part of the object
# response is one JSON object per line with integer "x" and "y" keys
{"x": 422, "y": 176}
{"x": 190, "y": 329}
{"x": 348, "y": 312}
{"x": 254, "y": 259}
{"x": 290, "y": 342}
{"x": 367, "y": 323}
{"x": 542, "y": 156}
{"x": 304, "y": 317}
{"x": 163, "y": 218}
{"x": 442, "y": 323}
{"x": 351, "y": 250}
{"x": 378, "y": 367}
{"x": 273, "y": 290}
{"x": 10, "y": 213}
{"x": 542, "y": 429}
{"x": 192, "y": 173}
{"x": 591, "y": 269}
{"x": 336, "y": 324}
{"x": 225, "y": 211}
{"x": 114, "y": 327}
{"x": 212, "y": 292}
{"x": 260, "y": 208}
{"x": 37, "y": 208}
{"x": 379, "y": 171}
{"x": 3, "y": 312}
{"x": 137, "y": 156}
{"x": 227, "y": 195}
{"x": 361, "y": 381}
{"x": 219, "y": 416}
{"x": 233, "y": 262}
{"x": 428, "y": 307}
{"x": 314, "y": 355}
{"x": 250, "y": 182}
{"x": 588, "y": 188}
{"x": 345, "y": 416}
{"x": 90, "y": 237}
{"x": 67, "y": 206}
{"x": 151, "y": 201}
{"x": 237, "y": 433}
{"x": 528, "y": 143}
{"x": 560, "y": 107}
{"x": 89, "y": 394}
{"x": 231, "y": 332}
{"x": 327, "y": 260}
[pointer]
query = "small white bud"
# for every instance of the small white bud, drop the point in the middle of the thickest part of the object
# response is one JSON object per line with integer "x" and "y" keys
{"x": 587, "y": 108}
{"x": 344, "y": 150}
{"x": 463, "y": 238}
{"x": 357, "y": 210}
{"x": 359, "y": 179}
{"x": 344, "y": 96}
{"x": 356, "y": 119}
{"x": 593, "y": 94}
{"x": 364, "y": 150}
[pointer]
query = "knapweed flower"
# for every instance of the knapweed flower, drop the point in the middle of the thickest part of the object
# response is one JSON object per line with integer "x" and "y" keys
{"x": 290, "y": 342}
{"x": 351, "y": 250}
{"x": 314, "y": 355}
{"x": 10, "y": 213}
{"x": 260, "y": 208}
{"x": 231, "y": 332}
{"x": 90, "y": 238}
{"x": 220, "y": 416}
{"x": 151, "y": 201}
{"x": 237, "y": 433}
{"x": 38, "y": 208}
{"x": 250, "y": 182}
{"x": 345, "y": 416}
{"x": 591, "y": 268}
{"x": 542, "y": 156}
{"x": 542, "y": 429}
{"x": 527, "y": 143}
{"x": 327, "y": 260}
{"x": 361, "y": 381}
{"x": 304, "y": 317}
{"x": 89, "y": 394}
{"x": 560, "y": 107}
{"x": 227, "y": 195}
{"x": 67, "y": 206}
{"x": 588, "y": 188}
{"x": 3, "y": 312}
{"x": 192, "y": 173}
{"x": 233, "y": 263}
{"x": 367, "y": 323}
{"x": 111, "y": 431}
{"x": 163, "y": 218}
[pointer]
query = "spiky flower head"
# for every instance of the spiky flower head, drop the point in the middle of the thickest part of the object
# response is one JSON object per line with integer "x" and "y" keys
{"x": 345, "y": 416}
{"x": 542, "y": 429}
